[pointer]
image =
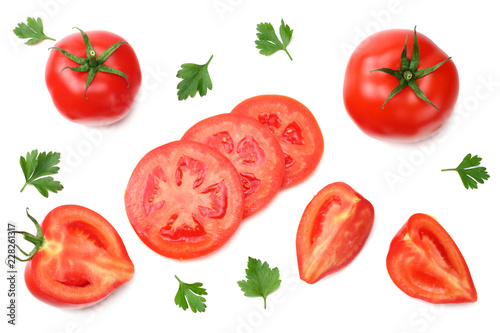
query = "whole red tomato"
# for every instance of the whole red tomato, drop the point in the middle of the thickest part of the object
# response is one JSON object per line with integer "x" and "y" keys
{"x": 111, "y": 64}
{"x": 400, "y": 91}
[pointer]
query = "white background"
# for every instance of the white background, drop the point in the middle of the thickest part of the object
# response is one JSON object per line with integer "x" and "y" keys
{"x": 97, "y": 162}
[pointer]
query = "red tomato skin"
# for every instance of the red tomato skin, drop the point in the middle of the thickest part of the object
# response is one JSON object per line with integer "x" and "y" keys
{"x": 148, "y": 226}
{"x": 332, "y": 231}
{"x": 306, "y": 155}
{"x": 410, "y": 261}
{"x": 41, "y": 274}
{"x": 405, "y": 118}
{"x": 109, "y": 99}
{"x": 268, "y": 169}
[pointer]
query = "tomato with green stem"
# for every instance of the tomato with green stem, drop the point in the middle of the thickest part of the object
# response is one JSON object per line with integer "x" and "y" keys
{"x": 93, "y": 77}
{"x": 392, "y": 97}
{"x": 78, "y": 258}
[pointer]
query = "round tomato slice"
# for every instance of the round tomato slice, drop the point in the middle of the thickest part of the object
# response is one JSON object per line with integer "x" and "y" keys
{"x": 295, "y": 127}
{"x": 81, "y": 258}
{"x": 254, "y": 151}
{"x": 333, "y": 229}
{"x": 184, "y": 199}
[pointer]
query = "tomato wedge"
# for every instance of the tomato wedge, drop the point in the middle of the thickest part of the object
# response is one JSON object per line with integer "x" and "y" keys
{"x": 295, "y": 127}
{"x": 254, "y": 151}
{"x": 184, "y": 199}
{"x": 80, "y": 259}
{"x": 425, "y": 263}
{"x": 333, "y": 229}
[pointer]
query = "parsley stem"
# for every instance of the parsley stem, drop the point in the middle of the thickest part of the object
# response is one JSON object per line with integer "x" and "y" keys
{"x": 288, "y": 54}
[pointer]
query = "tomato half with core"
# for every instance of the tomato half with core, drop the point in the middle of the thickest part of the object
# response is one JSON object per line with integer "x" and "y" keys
{"x": 78, "y": 259}
{"x": 252, "y": 149}
{"x": 93, "y": 78}
{"x": 184, "y": 199}
{"x": 400, "y": 86}
{"x": 295, "y": 128}
{"x": 332, "y": 231}
{"x": 425, "y": 263}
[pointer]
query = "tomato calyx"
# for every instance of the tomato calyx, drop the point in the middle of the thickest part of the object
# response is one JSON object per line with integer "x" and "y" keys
{"x": 38, "y": 240}
{"x": 409, "y": 72}
{"x": 93, "y": 63}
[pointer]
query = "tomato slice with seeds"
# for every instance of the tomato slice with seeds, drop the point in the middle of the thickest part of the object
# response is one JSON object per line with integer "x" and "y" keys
{"x": 425, "y": 263}
{"x": 254, "y": 151}
{"x": 81, "y": 258}
{"x": 295, "y": 128}
{"x": 332, "y": 231}
{"x": 184, "y": 199}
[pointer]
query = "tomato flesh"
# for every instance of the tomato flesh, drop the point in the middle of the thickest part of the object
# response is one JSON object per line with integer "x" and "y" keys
{"x": 252, "y": 149}
{"x": 184, "y": 199}
{"x": 296, "y": 129}
{"x": 332, "y": 231}
{"x": 425, "y": 263}
{"x": 83, "y": 259}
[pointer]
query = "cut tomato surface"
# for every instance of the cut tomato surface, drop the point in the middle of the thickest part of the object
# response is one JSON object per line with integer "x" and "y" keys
{"x": 253, "y": 150}
{"x": 333, "y": 229}
{"x": 295, "y": 128}
{"x": 82, "y": 260}
{"x": 425, "y": 263}
{"x": 184, "y": 199}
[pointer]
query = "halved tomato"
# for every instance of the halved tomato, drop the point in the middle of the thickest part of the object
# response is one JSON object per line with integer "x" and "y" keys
{"x": 254, "y": 151}
{"x": 333, "y": 229}
{"x": 425, "y": 263}
{"x": 79, "y": 260}
{"x": 295, "y": 127}
{"x": 184, "y": 199}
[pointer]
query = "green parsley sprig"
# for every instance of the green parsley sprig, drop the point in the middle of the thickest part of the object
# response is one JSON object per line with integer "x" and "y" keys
{"x": 36, "y": 166}
{"x": 32, "y": 30}
{"x": 190, "y": 294}
{"x": 195, "y": 78}
{"x": 268, "y": 42}
{"x": 261, "y": 280}
{"x": 470, "y": 172}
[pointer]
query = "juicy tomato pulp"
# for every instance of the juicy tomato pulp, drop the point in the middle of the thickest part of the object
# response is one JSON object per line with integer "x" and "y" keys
{"x": 406, "y": 117}
{"x": 425, "y": 263}
{"x": 82, "y": 261}
{"x": 254, "y": 151}
{"x": 333, "y": 229}
{"x": 295, "y": 128}
{"x": 184, "y": 199}
{"x": 109, "y": 96}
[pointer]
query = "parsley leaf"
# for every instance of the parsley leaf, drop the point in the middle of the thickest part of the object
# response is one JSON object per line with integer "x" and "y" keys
{"x": 32, "y": 30}
{"x": 261, "y": 280}
{"x": 189, "y": 294}
{"x": 268, "y": 42}
{"x": 470, "y": 172}
{"x": 195, "y": 78}
{"x": 35, "y": 166}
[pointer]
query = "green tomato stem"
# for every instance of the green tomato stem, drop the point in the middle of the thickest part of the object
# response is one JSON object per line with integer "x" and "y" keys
{"x": 92, "y": 59}
{"x": 408, "y": 75}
